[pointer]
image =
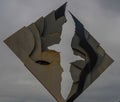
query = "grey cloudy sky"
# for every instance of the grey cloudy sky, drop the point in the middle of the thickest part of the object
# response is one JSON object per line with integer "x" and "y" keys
{"x": 100, "y": 17}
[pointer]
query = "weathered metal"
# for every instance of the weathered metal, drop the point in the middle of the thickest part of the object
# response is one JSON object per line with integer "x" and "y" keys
{"x": 96, "y": 60}
{"x": 31, "y": 44}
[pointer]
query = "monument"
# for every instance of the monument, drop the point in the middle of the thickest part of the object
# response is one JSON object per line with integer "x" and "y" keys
{"x": 31, "y": 44}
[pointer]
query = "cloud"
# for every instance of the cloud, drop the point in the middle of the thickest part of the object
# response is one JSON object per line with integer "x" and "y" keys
{"x": 112, "y": 5}
{"x": 25, "y": 99}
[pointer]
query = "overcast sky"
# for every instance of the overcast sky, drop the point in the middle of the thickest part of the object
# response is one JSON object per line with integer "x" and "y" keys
{"x": 100, "y": 17}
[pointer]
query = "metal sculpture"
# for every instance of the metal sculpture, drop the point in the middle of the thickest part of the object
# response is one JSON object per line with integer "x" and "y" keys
{"x": 84, "y": 72}
{"x": 31, "y": 44}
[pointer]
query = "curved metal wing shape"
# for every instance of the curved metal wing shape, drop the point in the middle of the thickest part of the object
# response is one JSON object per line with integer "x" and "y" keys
{"x": 84, "y": 72}
{"x": 31, "y": 43}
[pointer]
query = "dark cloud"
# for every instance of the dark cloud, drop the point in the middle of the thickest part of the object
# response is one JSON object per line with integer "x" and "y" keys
{"x": 110, "y": 5}
{"x": 25, "y": 99}
{"x": 102, "y": 93}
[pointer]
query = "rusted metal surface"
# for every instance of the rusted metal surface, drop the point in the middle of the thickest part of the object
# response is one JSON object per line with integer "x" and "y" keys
{"x": 31, "y": 44}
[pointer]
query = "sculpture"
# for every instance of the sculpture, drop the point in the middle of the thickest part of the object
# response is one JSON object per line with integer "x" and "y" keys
{"x": 31, "y": 44}
{"x": 84, "y": 72}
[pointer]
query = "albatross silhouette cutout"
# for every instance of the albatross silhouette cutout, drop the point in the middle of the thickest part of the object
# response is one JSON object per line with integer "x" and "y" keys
{"x": 31, "y": 44}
